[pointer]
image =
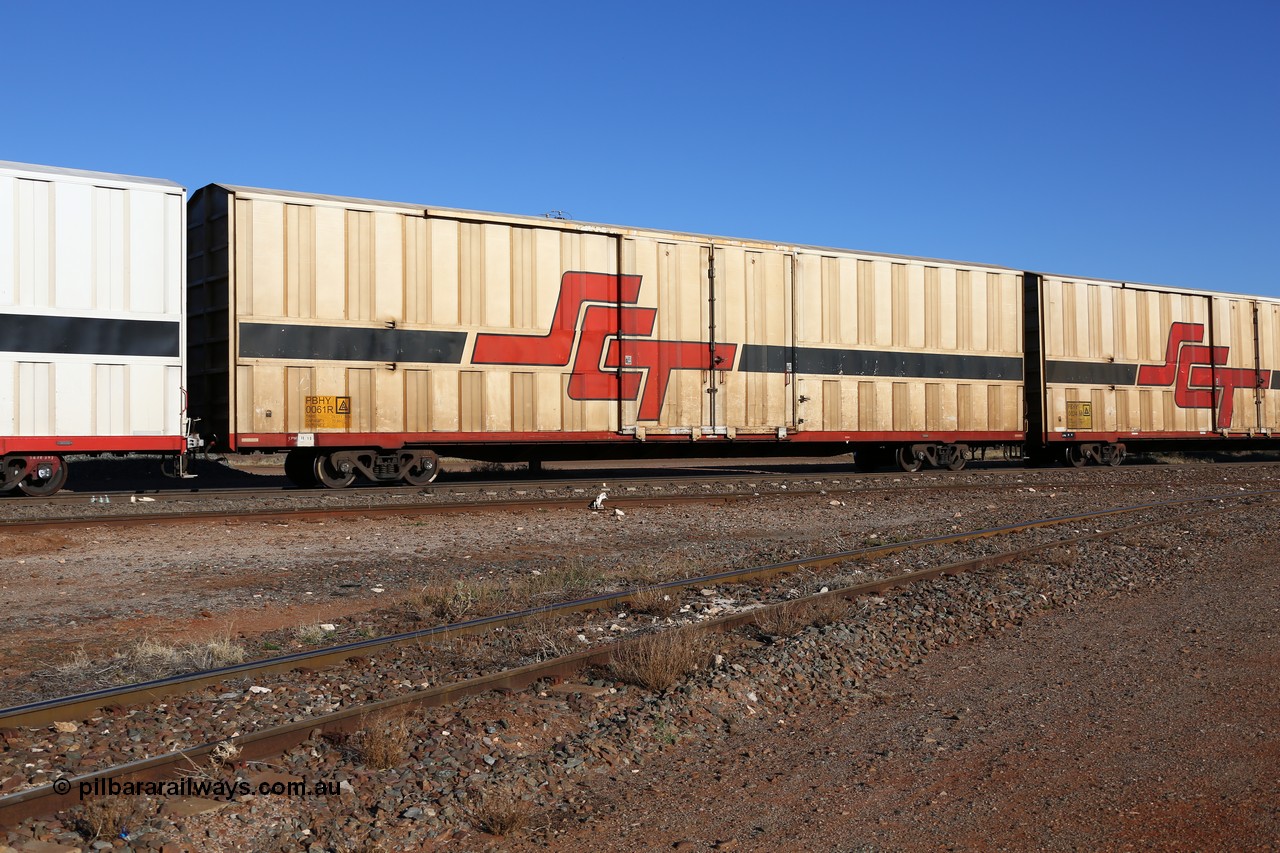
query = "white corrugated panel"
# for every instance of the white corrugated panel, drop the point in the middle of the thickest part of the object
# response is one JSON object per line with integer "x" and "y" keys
{"x": 93, "y": 289}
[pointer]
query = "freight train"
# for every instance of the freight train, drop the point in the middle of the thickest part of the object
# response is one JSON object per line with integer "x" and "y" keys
{"x": 366, "y": 339}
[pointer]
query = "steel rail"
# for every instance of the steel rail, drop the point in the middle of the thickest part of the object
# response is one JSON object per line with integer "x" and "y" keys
{"x": 674, "y": 477}
{"x": 591, "y": 479}
{"x": 135, "y": 519}
{"x": 407, "y": 509}
{"x": 64, "y": 793}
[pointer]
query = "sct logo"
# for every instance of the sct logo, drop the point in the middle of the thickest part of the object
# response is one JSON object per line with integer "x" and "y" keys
{"x": 1194, "y": 371}
{"x": 598, "y": 325}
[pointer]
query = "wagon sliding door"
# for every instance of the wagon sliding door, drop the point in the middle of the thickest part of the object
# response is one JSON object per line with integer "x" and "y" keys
{"x": 701, "y": 308}
{"x": 664, "y": 346}
{"x": 754, "y": 323}
{"x": 1235, "y": 371}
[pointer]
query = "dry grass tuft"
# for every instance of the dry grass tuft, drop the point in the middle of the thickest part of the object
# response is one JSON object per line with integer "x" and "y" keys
{"x": 150, "y": 659}
{"x": 501, "y": 812}
{"x": 312, "y": 635}
{"x": 542, "y": 636}
{"x": 848, "y": 577}
{"x": 158, "y": 659}
{"x": 449, "y": 601}
{"x": 572, "y": 579}
{"x": 105, "y": 818}
{"x": 658, "y": 661}
{"x": 792, "y": 617}
{"x": 655, "y": 602}
{"x": 79, "y": 665}
{"x": 383, "y": 741}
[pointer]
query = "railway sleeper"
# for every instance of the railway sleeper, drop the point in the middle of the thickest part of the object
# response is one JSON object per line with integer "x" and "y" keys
{"x": 337, "y": 469}
{"x": 34, "y": 476}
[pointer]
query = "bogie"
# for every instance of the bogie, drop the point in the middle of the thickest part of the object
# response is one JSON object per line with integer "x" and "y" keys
{"x": 34, "y": 476}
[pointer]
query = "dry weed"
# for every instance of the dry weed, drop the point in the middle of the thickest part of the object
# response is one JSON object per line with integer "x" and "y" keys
{"x": 678, "y": 567}
{"x": 658, "y": 661}
{"x": 542, "y": 636}
{"x": 312, "y": 635}
{"x": 105, "y": 818}
{"x": 655, "y": 602}
{"x": 78, "y": 666}
{"x": 383, "y": 741}
{"x": 149, "y": 659}
{"x": 573, "y": 579}
{"x": 449, "y": 601}
{"x": 792, "y": 617}
{"x": 223, "y": 754}
{"x": 501, "y": 812}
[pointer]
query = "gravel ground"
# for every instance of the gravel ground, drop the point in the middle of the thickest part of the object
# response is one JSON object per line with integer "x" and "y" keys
{"x": 240, "y": 706}
{"x": 1143, "y": 716}
{"x": 76, "y": 594}
{"x": 1132, "y": 719}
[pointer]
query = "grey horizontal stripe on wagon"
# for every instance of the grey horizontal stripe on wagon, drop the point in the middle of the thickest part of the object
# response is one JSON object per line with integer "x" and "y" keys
{"x": 1089, "y": 373}
{"x": 38, "y": 333}
{"x": 852, "y": 362}
{"x": 344, "y": 343}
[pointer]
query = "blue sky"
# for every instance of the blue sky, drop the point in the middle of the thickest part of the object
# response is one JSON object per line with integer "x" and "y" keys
{"x": 1134, "y": 141}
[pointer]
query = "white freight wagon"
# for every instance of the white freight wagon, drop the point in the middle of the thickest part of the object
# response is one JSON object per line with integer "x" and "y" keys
{"x": 92, "y": 328}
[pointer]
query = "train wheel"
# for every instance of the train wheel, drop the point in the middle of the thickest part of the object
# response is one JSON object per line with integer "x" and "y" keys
{"x": 300, "y": 468}
{"x": 957, "y": 461}
{"x": 41, "y": 487}
{"x": 907, "y": 460}
{"x": 333, "y": 476}
{"x": 423, "y": 471}
{"x": 1074, "y": 456}
{"x": 1114, "y": 455}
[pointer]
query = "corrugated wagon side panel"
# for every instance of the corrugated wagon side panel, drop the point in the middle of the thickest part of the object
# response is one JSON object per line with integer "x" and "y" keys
{"x": 1269, "y": 358}
{"x": 427, "y": 323}
{"x": 917, "y": 348}
{"x": 8, "y": 236}
{"x": 91, "y": 283}
{"x": 1238, "y": 373}
{"x": 1121, "y": 361}
{"x": 753, "y": 307}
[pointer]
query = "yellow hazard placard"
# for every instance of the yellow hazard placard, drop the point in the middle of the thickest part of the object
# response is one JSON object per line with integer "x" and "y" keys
{"x": 328, "y": 412}
{"x": 1079, "y": 415}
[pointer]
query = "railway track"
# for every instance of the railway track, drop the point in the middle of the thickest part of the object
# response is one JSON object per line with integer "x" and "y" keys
{"x": 574, "y": 493}
{"x": 447, "y": 488}
{"x": 272, "y": 739}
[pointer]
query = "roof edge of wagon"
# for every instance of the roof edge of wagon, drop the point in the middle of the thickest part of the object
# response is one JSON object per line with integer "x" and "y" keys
{"x": 607, "y": 228}
{"x": 1163, "y": 288}
{"x": 596, "y": 227}
{"x": 90, "y": 174}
